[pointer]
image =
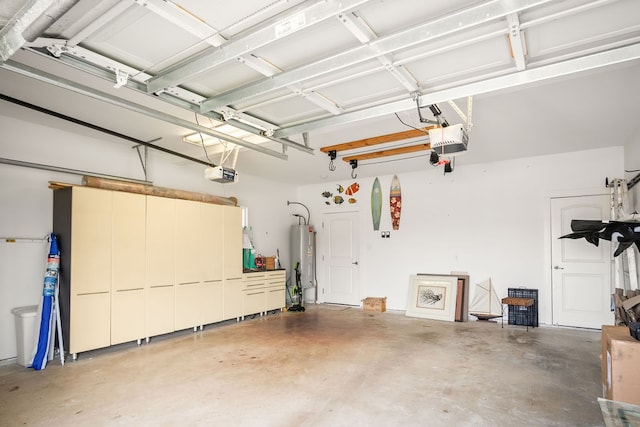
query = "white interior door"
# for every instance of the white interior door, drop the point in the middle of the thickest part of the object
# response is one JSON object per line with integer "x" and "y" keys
{"x": 341, "y": 253}
{"x": 581, "y": 272}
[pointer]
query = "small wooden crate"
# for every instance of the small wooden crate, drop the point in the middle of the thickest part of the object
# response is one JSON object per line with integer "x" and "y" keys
{"x": 375, "y": 304}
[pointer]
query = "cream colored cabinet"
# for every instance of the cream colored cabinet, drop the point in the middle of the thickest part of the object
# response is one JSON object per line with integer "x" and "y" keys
{"x": 128, "y": 267}
{"x": 253, "y": 293}
{"x": 232, "y": 263}
{"x": 211, "y": 253}
{"x": 275, "y": 288}
{"x": 160, "y": 266}
{"x": 82, "y": 223}
{"x": 135, "y": 266}
{"x": 188, "y": 265}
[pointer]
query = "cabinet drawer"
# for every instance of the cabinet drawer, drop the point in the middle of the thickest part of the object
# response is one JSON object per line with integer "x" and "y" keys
{"x": 253, "y": 301}
{"x": 275, "y": 298}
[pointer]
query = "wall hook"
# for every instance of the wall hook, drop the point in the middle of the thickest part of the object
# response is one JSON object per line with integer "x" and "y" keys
{"x": 332, "y": 156}
{"x": 354, "y": 165}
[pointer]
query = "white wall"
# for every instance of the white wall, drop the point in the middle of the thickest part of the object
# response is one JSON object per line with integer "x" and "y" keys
{"x": 490, "y": 220}
{"x": 26, "y": 202}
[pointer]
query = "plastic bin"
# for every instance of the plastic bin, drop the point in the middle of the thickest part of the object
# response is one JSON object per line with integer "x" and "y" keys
{"x": 26, "y": 324}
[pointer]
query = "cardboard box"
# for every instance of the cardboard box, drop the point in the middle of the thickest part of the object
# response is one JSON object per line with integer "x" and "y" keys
{"x": 375, "y": 304}
{"x": 620, "y": 365}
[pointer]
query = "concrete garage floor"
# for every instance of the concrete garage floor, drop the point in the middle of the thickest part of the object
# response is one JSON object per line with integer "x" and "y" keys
{"x": 329, "y": 366}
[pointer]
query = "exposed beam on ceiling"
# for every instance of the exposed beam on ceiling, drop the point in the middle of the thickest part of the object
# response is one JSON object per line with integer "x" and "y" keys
{"x": 102, "y": 67}
{"x": 294, "y": 19}
{"x": 446, "y": 25}
{"x": 101, "y": 96}
{"x": 376, "y": 140}
{"x": 521, "y": 78}
{"x": 399, "y": 63}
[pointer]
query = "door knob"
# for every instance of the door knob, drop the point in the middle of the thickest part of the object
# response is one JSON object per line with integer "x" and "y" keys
{"x": 355, "y": 263}
{"x": 557, "y": 267}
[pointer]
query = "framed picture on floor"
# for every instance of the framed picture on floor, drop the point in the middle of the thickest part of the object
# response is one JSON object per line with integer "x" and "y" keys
{"x": 432, "y": 297}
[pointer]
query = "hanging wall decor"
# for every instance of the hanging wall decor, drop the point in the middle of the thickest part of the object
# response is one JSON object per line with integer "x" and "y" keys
{"x": 376, "y": 204}
{"x": 352, "y": 189}
{"x": 395, "y": 202}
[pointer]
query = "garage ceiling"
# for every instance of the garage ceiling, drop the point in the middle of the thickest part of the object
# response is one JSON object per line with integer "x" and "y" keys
{"x": 284, "y": 78}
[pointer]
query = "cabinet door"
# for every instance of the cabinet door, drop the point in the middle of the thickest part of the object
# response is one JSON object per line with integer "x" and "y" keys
{"x": 90, "y": 241}
{"x": 211, "y": 301}
{"x": 275, "y": 298}
{"x": 187, "y": 305}
{"x": 211, "y": 258}
{"x": 212, "y": 234}
{"x": 128, "y": 241}
{"x": 128, "y": 267}
{"x": 160, "y": 312}
{"x": 232, "y": 242}
{"x": 160, "y": 271}
{"x": 127, "y": 315}
{"x": 160, "y": 238}
{"x": 160, "y": 261}
{"x": 232, "y": 297}
{"x": 90, "y": 322}
{"x": 90, "y": 299}
{"x": 188, "y": 241}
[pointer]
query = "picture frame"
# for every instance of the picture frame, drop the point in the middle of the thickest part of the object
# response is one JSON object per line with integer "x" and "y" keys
{"x": 462, "y": 295}
{"x": 432, "y": 297}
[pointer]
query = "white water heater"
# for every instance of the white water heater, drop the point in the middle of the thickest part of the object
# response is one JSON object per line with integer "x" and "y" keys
{"x": 303, "y": 251}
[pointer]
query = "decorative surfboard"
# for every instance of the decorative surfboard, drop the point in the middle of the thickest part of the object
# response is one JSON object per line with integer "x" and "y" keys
{"x": 376, "y": 204}
{"x": 49, "y": 307}
{"x": 395, "y": 202}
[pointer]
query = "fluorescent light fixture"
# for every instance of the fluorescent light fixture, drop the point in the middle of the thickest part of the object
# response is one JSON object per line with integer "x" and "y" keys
{"x": 259, "y": 64}
{"x": 201, "y": 138}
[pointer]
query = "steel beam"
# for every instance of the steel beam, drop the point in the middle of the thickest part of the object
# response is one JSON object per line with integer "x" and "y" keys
{"x": 522, "y": 78}
{"x": 105, "y": 97}
{"x": 446, "y": 25}
{"x": 298, "y": 17}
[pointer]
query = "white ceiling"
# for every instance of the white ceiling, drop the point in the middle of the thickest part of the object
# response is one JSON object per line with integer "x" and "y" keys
{"x": 335, "y": 71}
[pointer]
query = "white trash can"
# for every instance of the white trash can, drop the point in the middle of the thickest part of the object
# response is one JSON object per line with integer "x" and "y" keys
{"x": 26, "y": 329}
